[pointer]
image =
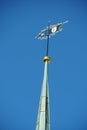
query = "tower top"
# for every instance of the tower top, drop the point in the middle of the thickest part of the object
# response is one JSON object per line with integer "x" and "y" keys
{"x": 43, "y": 118}
{"x": 48, "y": 32}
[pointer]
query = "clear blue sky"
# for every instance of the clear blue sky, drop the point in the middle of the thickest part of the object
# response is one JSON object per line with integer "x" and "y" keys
{"x": 21, "y": 66}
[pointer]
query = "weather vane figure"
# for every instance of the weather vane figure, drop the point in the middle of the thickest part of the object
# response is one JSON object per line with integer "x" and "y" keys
{"x": 49, "y": 31}
{"x": 43, "y": 119}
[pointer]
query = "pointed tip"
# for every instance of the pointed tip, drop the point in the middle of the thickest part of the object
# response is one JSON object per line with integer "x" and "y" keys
{"x": 66, "y": 21}
{"x": 49, "y": 23}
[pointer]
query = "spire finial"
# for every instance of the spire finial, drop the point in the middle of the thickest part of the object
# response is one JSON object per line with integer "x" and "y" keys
{"x": 49, "y": 31}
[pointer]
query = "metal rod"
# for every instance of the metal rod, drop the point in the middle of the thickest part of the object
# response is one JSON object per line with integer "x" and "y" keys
{"x": 47, "y": 49}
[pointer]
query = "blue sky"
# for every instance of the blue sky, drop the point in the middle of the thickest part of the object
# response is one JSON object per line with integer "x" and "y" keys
{"x": 21, "y": 66}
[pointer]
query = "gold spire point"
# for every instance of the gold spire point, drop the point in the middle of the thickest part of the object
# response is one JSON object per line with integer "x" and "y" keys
{"x": 46, "y": 58}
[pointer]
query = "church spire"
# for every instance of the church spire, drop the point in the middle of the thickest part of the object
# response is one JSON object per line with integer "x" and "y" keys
{"x": 43, "y": 119}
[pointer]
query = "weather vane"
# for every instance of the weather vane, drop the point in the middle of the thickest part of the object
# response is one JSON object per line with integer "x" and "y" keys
{"x": 49, "y": 31}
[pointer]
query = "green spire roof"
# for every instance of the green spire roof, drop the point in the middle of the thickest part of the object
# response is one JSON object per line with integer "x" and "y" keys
{"x": 43, "y": 120}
